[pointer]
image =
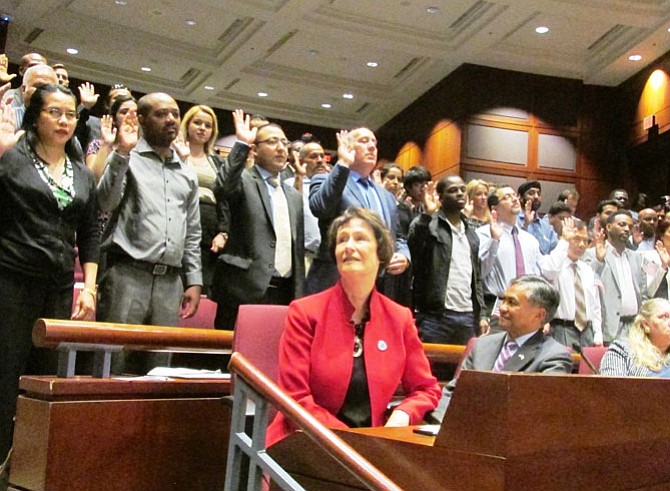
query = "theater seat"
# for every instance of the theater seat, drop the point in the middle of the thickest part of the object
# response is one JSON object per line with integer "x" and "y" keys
{"x": 595, "y": 355}
{"x": 466, "y": 352}
{"x": 204, "y": 317}
{"x": 257, "y": 333}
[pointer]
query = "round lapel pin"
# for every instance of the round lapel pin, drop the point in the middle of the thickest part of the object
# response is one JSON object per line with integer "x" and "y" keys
{"x": 381, "y": 345}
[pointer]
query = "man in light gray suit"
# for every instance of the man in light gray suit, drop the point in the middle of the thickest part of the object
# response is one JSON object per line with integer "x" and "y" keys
{"x": 625, "y": 275}
{"x": 527, "y": 305}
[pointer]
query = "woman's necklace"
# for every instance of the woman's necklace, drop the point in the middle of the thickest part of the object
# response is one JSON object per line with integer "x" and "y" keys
{"x": 358, "y": 339}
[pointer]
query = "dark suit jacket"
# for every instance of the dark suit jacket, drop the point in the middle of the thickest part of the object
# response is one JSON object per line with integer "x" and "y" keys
{"x": 541, "y": 354}
{"x": 245, "y": 267}
{"x": 430, "y": 241}
{"x": 329, "y": 196}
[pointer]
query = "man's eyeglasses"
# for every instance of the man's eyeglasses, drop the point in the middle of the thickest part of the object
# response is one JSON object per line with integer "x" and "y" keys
{"x": 274, "y": 141}
{"x": 55, "y": 113}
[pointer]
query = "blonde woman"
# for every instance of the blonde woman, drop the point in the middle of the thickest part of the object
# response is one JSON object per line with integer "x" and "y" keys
{"x": 478, "y": 212}
{"x": 644, "y": 351}
{"x": 197, "y": 135}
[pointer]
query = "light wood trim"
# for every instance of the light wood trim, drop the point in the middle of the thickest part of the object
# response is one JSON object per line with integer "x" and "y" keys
{"x": 50, "y": 333}
{"x": 331, "y": 443}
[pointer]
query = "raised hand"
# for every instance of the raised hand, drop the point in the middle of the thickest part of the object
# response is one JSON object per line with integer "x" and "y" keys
{"x": 528, "y": 214}
{"x": 496, "y": 229}
{"x": 637, "y": 235}
{"x": 600, "y": 241}
{"x": 345, "y": 150}
{"x": 128, "y": 134}
{"x": 181, "y": 146}
{"x": 376, "y": 176}
{"x": 87, "y": 95}
{"x": 8, "y": 134}
{"x": 243, "y": 130}
{"x": 662, "y": 253}
{"x": 4, "y": 63}
{"x": 107, "y": 130}
{"x": 300, "y": 168}
{"x": 568, "y": 228}
{"x": 430, "y": 199}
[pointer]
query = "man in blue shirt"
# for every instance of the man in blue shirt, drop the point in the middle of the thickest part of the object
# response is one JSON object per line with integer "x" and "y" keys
{"x": 530, "y": 194}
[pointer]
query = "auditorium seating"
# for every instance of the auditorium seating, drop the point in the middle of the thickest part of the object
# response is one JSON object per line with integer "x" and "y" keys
{"x": 595, "y": 355}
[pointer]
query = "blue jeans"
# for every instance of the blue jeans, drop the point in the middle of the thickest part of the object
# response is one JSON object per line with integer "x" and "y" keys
{"x": 449, "y": 328}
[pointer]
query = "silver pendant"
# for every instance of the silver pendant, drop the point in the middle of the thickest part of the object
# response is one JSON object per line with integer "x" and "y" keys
{"x": 358, "y": 347}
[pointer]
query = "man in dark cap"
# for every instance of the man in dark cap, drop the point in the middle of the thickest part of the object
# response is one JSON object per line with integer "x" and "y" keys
{"x": 530, "y": 194}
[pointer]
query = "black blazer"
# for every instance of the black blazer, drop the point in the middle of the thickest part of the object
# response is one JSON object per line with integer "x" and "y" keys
{"x": 430, "y": 241}
{"x": 245, "y": 267}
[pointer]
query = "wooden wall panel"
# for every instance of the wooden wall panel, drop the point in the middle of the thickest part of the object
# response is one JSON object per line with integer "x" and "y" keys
{"x": 588, "y": 116}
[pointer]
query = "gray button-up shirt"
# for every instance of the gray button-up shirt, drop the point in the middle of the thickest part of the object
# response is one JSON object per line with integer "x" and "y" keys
{"x": 159, "y": 215}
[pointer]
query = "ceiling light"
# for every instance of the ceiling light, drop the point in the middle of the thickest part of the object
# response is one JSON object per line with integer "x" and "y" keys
{"x": 635, "y": 57}
{"x": 542, "y": 29}
{"x": 209, "y": 87}
{"x": 372, "y": 64}
{"x": 313, "y": 52}
{"x": 145, "y": 69}
{"x": 190, "y": 22}
{"x": 262, "y": 94}
{"x": 432, "y": 10}
{"x": 121, "y": 2}
{"x": 326, "y": 105}
{"x": 347, "y": 96}
{"x": 72, "y": 51}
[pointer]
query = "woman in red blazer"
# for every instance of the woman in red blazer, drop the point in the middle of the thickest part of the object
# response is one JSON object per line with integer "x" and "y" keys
{"x": 344, "y": 351}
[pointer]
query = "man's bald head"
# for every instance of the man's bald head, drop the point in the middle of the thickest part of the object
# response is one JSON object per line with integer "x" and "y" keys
{"x": 31, "y": 59}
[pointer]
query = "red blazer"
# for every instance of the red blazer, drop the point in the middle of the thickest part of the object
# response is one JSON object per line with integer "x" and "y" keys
{"x": 316, "y": 359}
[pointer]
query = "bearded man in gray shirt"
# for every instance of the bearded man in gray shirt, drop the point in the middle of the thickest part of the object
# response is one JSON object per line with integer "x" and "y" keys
{"x": 153, "y": 239}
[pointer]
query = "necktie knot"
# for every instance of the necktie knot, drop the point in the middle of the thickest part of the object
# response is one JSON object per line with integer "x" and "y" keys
{"x": 273, "y": 181}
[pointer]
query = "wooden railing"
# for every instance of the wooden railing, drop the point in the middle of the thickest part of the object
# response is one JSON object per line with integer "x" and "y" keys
{"x": 105, "y": 338}
{"x": 344, "y": 454}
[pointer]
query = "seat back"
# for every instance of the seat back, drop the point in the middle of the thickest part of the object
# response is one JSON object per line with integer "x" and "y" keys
{"x": 257, "y": 333}
{"x": 204, "y": 317}
{"x": 466, "y": 352}
{"x": 595, "y": 355}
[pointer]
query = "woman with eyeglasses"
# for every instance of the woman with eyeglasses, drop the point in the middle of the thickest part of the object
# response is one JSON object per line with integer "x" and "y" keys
{"x": 197, "y": 135}
{"x": 47, "y": 206}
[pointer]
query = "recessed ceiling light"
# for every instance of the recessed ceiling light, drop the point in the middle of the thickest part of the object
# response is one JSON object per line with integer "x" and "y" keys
{"x": 209, "y": 87}
{"x": 313, "y": 52}
{"x": 190, "y": 22}
{"x": 121, "y": 2}
{"x": 432, "y": 10}
{"x": 72, "y": 51}
{"x": 372, "y": 64}
{"x": 542, "y": 29}
{"x": 635, "y": 57}
{"x": 145, "y": 69}
{"x": 262, "y": 94}
{"x": 326, "y": 105}
{"x": 347, "y": 96}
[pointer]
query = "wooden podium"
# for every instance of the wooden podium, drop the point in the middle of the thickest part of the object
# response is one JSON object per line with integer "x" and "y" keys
{"x": 112, "y": 434}
{"x": 515, "y": 431}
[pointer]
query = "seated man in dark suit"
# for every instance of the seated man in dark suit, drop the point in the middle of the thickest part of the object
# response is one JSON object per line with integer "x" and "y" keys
{"x": 527, "y": 305}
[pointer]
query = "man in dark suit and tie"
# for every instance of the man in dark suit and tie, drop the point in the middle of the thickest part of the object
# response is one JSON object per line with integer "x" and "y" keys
{"x": 350, "y": 184}
{"x": 264, "y": 258}
{"x": 527, "y": 305}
